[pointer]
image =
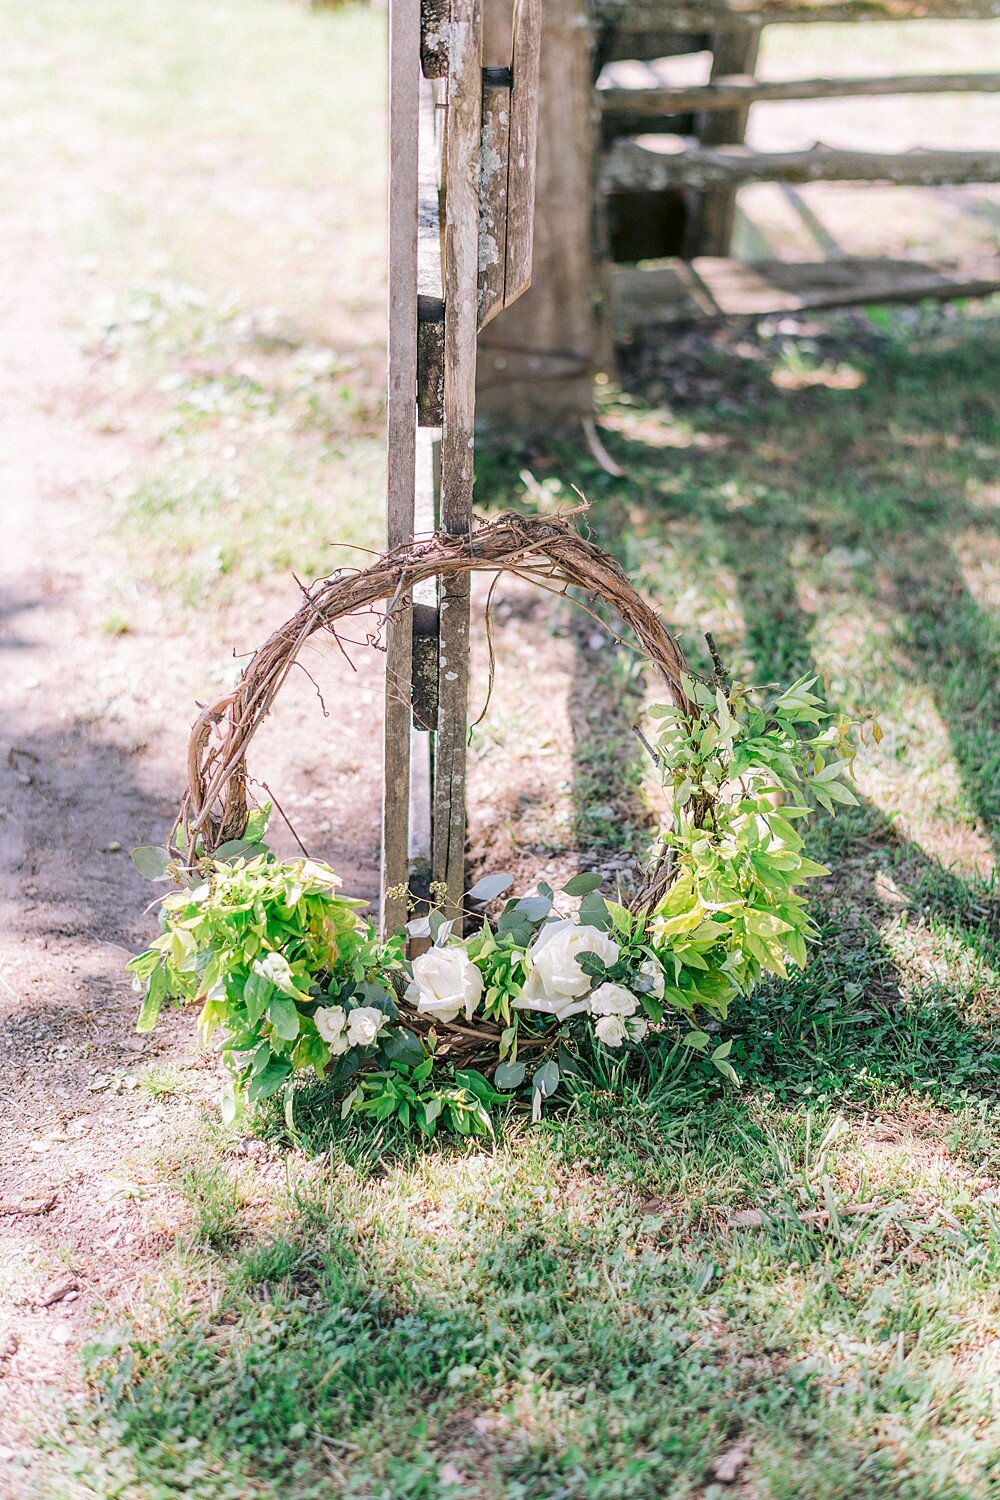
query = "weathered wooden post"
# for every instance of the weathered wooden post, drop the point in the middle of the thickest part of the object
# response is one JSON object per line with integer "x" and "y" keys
{"x": 536, "y": 362}
{"x": 461, "y": 186}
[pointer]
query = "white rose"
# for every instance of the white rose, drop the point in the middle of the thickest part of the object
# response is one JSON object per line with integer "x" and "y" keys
{"x": 652, "y": 971}
{"x": 611, "y": 1030}
{"x": 613, "y": 1000}
{"x": 331, "y": 1021}
{"x": 364, "y": 1025}
{"x": 637, "y": 1028}
{"x": 445, "y": 982}
{"x": 555, "y": 981}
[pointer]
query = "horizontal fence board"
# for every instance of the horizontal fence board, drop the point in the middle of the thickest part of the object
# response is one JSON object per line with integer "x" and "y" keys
{"x": 630, "y": 167}
{"x": 732, "y": 93}
{"x": 638, "y": 16}
{"x": 675, "y": 291}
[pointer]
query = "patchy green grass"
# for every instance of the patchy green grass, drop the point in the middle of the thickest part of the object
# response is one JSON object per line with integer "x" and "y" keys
{"x": 218, "y": 173}
{"x": 798, "y": 1279}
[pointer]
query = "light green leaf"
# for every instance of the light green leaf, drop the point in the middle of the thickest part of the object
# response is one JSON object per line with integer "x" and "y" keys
{"x": 156, "y": 994}
{"x": 284, "y": 1017}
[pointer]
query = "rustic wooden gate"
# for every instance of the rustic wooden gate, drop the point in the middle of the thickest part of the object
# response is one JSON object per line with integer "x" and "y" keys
{"x": 709, "y": 164}
{"x": 461, "y": 196}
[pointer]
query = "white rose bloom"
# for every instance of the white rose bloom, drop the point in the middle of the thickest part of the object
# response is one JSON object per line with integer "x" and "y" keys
{"x": 556, "y": 982}
{"x": 637, "y": 1028}
{"x": 364, "y": 1025}
{"x": 331, "y": 1022}
{"x": 445, "y": 982}
{"x": 613, "y": 1000}
{"x": 611, "y": 1030}
{"x": 653, "y": 971}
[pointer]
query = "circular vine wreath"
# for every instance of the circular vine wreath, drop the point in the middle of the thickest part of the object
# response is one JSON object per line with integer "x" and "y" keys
{"x": 299, "y": 981}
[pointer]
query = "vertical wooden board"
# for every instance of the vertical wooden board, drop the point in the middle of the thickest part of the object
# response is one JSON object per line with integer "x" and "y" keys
{"x": 463, "y": 134}
{"x": 493, "y": 198}
{"x": 733, "y": 52}
{"x": 523, "y": 142}
{"x": 404, "y": 66}
{"x": 536, "y": 360}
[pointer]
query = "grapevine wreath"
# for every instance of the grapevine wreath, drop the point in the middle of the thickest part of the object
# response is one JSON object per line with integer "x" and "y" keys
{"x": 538, "y": 989}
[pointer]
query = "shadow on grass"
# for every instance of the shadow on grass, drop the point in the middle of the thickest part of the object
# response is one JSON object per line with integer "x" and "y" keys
{"x": 570, "y": 1311}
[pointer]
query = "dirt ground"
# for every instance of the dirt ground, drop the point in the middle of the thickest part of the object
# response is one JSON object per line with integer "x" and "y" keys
{"x": 91, "y": 748}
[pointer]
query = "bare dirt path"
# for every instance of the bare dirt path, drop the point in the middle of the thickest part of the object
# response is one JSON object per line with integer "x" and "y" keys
{"x": 92, "y": 729}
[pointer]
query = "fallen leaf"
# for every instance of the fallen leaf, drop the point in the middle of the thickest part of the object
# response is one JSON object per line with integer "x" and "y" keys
{"x": 57, "y": 1290}
{"x": 35, "y": 1205}
{"x": 747, "y": 1218}
{"x": 726, "y": 1468}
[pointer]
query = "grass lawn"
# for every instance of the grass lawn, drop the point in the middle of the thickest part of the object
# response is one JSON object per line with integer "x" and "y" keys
{"x": 668, "y": 1288}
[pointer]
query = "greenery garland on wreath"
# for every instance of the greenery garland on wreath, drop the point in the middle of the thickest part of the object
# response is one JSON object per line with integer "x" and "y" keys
{"x": 298, "y": 981}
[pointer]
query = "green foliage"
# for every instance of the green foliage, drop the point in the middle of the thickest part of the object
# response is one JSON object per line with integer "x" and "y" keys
{"x": 277, "y": 959}
{"x": 298, "y": 982}
{"x": 741, "y": 778}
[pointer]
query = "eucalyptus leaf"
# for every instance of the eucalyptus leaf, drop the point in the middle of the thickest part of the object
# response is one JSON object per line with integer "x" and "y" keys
{"x": 582, "y": 885}
{"x": 534, "y": 908}
{"x": 510, "y": 1075}
{"x": 546, "y": 1078}
{"x": 489, "y": 887}
{"x": 152, "y": 862}
{"x": 594, "y": 911}
{"x": 237, "y": 849}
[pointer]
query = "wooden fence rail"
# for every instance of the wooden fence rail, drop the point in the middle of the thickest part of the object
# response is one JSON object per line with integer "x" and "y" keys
{"x": 699, "y": 16}
{"x": 739, "y": 92}
{"x": 630, "y": 165}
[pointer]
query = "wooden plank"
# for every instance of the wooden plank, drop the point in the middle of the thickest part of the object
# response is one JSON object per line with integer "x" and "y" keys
{"x": 629, "y": 165}
{"x": 679, "y": 291}
{"x": 730, "y": 92}
{"x": 404, "y": 49}
{"x": 493, "y": 192}
{"x": 463, "y": 136}
{"x": 525, "y": 65}
{"x": 636, "y": 16}
{"x": 710, "y": 223}
{"x": 536, "y": 361}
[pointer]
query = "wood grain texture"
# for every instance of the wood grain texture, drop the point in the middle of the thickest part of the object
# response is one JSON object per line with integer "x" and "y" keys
{"x": 680, "y": 291}
{"x": 643, "y": 104}
{"x": 525, "y": 66}
{"x": 629, "y": 165}
{"x": 463, "y": 137}
{"x": 536, "y": 359}
{"x": 710, "y": 222}
{"x": 493, "y": 199}
{"x": 404, "y": 54}
{"x": 716, "y": 15}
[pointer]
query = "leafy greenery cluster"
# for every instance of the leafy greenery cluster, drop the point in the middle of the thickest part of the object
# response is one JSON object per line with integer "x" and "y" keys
{"x": 742, "y": 780}
{"x": 299, "y": 981}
